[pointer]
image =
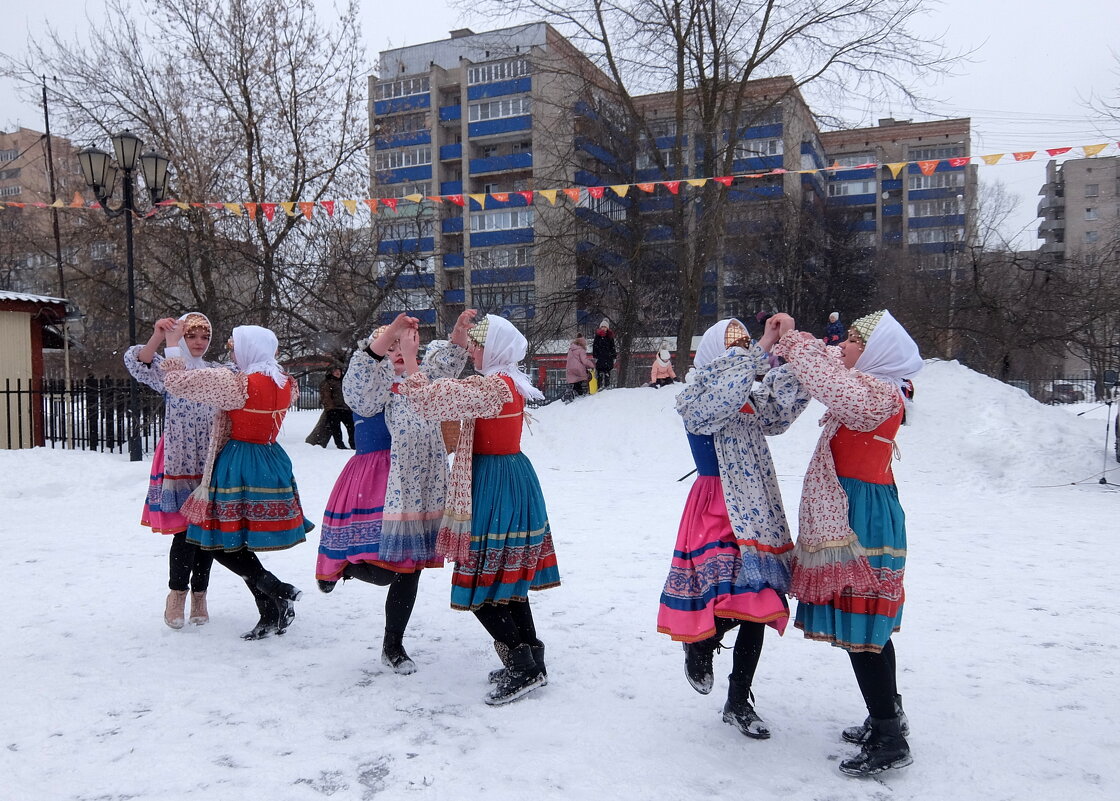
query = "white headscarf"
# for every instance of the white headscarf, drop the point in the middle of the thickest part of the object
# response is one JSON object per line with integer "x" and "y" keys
{"x": 890, "y": 353}
{"x": 194, "y": 362}
{"x": 254, "y": 351}
{"x": 711, "y": 344}
{"x": 504, "y": 348}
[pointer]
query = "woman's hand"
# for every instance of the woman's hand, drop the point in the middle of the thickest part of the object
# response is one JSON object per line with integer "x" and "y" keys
{"x": 462, "y": 326}
{"x": 410, "y": 345}
{"x": 777, "y": 325}
{"x": 174, "y": 334}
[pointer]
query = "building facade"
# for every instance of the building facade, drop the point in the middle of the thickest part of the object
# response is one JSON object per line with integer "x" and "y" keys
{"x": 1079, "y": 209}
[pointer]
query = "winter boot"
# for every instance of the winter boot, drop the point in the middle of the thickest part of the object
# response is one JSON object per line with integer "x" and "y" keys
{"x": 173, "y": 614}
{"x": 886, "y": 749}
{"x": 393, "y": 655}
{"x": 200, "y": 616}
{"x": 859, "y": 734}
{"x": 270, "y": 615}
{"x": 698, "y": 664}
{"x": 739, "y": 711}
{"x": 522, "y": 677}
{"x": 325, "y": 586}
{"x": 503, "y": 653}
{"x": 284, "y": 596}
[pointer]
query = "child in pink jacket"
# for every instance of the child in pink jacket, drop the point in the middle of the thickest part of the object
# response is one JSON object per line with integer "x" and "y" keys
{"x": 578, "y": 364}
{"x": 661, "y": 373}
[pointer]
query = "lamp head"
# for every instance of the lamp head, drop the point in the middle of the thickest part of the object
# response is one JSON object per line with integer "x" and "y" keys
{"x": 126, "y": 145}
{"x": 154, "y": 167}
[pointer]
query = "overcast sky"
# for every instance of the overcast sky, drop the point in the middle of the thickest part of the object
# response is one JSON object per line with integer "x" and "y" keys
{"x": 1035, "y": 67}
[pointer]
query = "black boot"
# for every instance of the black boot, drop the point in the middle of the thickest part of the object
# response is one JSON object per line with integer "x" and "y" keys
{"x": 270, "y": 616}
{"x": 886, "y": 749}
{"x": 522, "y": 677}
{"x": 859, "y": 734}
{"x": 393, "y": 655}
{"x": 325, "y": 586}
{"x": 739, "y": 711}
{"x": 537, "y": 650}
{"x": 283, "y": 596}
{"x": 698, "y": 664}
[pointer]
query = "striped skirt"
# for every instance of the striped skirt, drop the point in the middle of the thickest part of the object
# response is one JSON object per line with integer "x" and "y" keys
{"x": 166, "y": 495}
{"x": 865, "y": 621}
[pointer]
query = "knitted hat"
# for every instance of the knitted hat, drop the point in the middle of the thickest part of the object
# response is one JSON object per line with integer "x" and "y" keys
{"x": 834, "y": 317}
{"x": 866, "y": 324}
{"x": 479, "y": 330}
{"x": 604, "y": 323}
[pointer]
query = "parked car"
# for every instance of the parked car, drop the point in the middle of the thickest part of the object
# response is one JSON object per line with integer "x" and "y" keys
{"x": 1063, "y": 393}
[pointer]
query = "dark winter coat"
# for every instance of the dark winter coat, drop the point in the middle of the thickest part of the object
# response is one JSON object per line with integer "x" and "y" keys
{"x": 604, "y": 350}
{"x": 330, "y": 394}
{"x": 835, "y": 333}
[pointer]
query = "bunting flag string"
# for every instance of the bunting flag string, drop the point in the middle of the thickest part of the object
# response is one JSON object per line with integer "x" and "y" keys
{"x": 574, "y": 194}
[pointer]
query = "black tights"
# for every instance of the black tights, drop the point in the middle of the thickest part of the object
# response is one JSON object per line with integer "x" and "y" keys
{"x": 189, "y": 565}
{"x": 244, "y": 563}
{"x": 748, "y": 647}
{"x": 510, "y": 624}
{"x": 401, "y": 597}
{"x": 876, "y": 676}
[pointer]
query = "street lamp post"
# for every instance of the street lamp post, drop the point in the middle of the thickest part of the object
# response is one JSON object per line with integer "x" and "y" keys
{"x": 100, "y": 174}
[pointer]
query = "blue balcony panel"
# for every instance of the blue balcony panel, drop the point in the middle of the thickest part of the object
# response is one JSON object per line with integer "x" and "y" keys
{"x": 449, "y": 113}
{"x": 659, "y": 233}
{"x": 892, "y": 237}
{"x": 451, "y": 188}
{"x": 452, "y": 260}
{"x": 853, "y": 200}
{"x": 403, "y": 140}
{"x": 597, "y": 254}
{"x": 397, "y": 104}
{"x": 855, "y": 175}
{"x": 757, "y": 164}
{"x": 934, "y": 247}
{"x": 707, "y": 309}
{"x": 772, "y": 131}
{"x": 944, "y": 221}
{"x": 454, "y": 296}
{"x": 585, "y": 178}
{"x": 416, "y": 280}
{"x": 892, "y": 184}
{"x": 502, "y": 275}
{"x": 514, "y": 86}
{"x": 453, "y": 151}
{"x": 504, "y": 125}
{"x": 807, "y": 149}
{"x": 665, "y": 142}
{"x": 403, "y": 175}
{"x": 426, "y": 316}
{"x": 940, "y": 193}
{"x": 514, "y": 236}
{"x": 658, "y": 203}
{"x": 863, "y": 225}
{"x": 656, "y": 174}
{"x": 413, "y": 245}
{"x": 514, "y": 161}
{"x": 452, "y": 225}
{"x": 892, "y": 209}
{"x": 942, "y": 166}
{"x": 748, "y": 192}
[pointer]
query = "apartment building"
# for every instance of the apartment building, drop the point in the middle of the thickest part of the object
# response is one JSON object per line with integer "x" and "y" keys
{"x": 1079, "y": 208}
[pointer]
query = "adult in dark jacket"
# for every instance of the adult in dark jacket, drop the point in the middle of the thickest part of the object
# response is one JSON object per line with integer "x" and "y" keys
{"x": 335, "y": 413}
{"x": 605, "y": 352}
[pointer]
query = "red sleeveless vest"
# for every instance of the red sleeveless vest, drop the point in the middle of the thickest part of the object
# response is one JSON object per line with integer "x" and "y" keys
{"x": 866, "y": 455}
{"x": 259, "y": 420}
{"x": 501, "y": 434}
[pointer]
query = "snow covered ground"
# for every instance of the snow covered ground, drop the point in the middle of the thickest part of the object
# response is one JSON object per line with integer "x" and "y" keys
{"x": 1008, "y": 655}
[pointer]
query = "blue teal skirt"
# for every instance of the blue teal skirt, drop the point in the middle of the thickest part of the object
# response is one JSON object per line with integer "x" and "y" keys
{"x": 511, "y": 542}
{"x": 252, "y": 501}
{"x": 865, "y": 621}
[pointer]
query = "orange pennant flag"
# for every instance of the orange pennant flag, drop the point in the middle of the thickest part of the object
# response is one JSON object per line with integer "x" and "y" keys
{"x": 351, "y": 206}
{"x": 289, "y": 207}
{"x": 252, "y": 209}
{"x": 673, "y": 186}
{"x": 328, "y": 205}
{"x": 727, "y": 179}
{"x": 620, "y": 189}
{"x": 992, "y": 159}
{"x": 307, "y": 208}
{"x": 928, "y": 167}
{"x": 501, "y": 197}
{"x": 573, "y": 194}
{"x": 234, "y": 208}
{"x": 1025, "y": 155}
{"x": 1057, "y": 151}
{"x": 371, "y": 204}
{"x": 1092, "y": 150}
{"x": 896, "y": 167}
{"x": 78, "y": 201}
{"x": 646, "y": 187}
{"x": 549, "y": 194}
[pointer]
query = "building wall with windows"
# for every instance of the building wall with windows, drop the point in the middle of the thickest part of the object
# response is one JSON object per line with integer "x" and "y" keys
{"x": 1080, "y": 206}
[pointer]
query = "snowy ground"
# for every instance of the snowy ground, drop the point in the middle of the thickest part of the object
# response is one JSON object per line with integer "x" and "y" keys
{"x": 1008, "y": 655}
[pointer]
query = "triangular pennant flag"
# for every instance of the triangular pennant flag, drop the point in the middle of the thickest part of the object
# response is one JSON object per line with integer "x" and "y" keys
{"x": 866, "y": 166}
{"x": 620, "y": 189}
{"x": 549, "y": 194}
{"x": 328, "y": 206}
{"x": 573, "y": 194}
{"x": 78, "y": 201}
{"x": 183, "y": 206}
{"x": 269, "y": 210}
{"x": 960, "y": 162}
{"x": 252, "y": 209}
{"x": 696, "y": 181}
{"x": 778, "y": 171}
{"x": 351, "y": 206}
{"x": 307, "y": 208}
{"x": 928, "y": 167}
{"x": 673, "y": 186}
{"x": 479, "y": 198}
{"x": 457, "y": 200}
{"x": 1057, "y": 151}
{"x": 763, "y": 175}
{"x": 420, "y": 198}
{"x": 596, "y": 191}
{"x": 289, "y": 207}
{"x": 216, "y": 205}
{"x": 17, "y": 205}
{"x": 1025, "y": 155}
{"x": 196, "y": 205}
{"x": 1092, "y": 150}
{"x": 724, "y": 179}
{"x": 58, "y": 204}
{"x": 992, "y": 159}
{"x": 501, "y": 197}
{"x": 528, "y": 195}
{"x": 896, "y": 167}
{"x": 371, "y": 204}
{"x": 391, "y": 202}
{"x": 646, "y": 187}
{"x": 234, "y": 208}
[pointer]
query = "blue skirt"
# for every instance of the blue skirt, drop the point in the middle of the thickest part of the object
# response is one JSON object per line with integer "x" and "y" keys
{"x": 865, "y": 621}
{"x": 511, "y": 542}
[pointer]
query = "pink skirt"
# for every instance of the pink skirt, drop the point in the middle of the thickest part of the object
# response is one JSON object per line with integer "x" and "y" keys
{"x": 166, "y": 495}
{"x": 703, "y": 581}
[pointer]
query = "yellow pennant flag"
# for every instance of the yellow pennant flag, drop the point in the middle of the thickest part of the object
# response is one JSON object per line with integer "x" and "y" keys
{"x": 620, "y": 189}
{"x": 289, "y": 208}
{"x": 896, "y": 167}
{"x": 550, "y": 195}
{"x": 351, "y": 206}
{"x": 992, "y": 159}
{"x": 58, "y": 204}
{"x": 696, "y": 181}
{"x": 479, "y": 199}
{"x": 235, "y": 208}
{"x": 182, "y": 206}
{"x": 1092, "y": 150}
{"x": 414, "y": 198}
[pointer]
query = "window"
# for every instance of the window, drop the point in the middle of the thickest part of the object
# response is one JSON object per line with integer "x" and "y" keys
{"x": 403, "y": 157}
{"x": 1092, "y": 190}
{"x": 498, "y": 297}
{"x": 499, "y": 109}
{"x": 8, "y": 191}
{"x": 939, "y": 180}
{"x": 1090, "y": 214}
{"x": 493, "y": 258}
{"x": 936, "y": 152}
{"x": 932, "y": 235}
{"x": 524, "y": 146}
{"x": 406, "y": 229}
{"x": 502, "y": 220}
{"x": 855, "y": 159}
{"x": 1091, "y": 237}
{"x": 411, "y": 299}
{"x": 418, "y": 264}
{"x": 9, "y": 174}
{"x": 403, "y": 123}
{"x": 660, "y": 128}
{"x": 842, "y": 188}
{"x": 411, "y": 188}
{"x": 402, "y": 88}
{"x": 489, "y": 151}
{"x": 607, "y": 206}
{"x": 646, "y": 160}
{"x": 8, "y": 155}
{"x": 753, "y": 148}
{"x": 936, "y": 208}
{"x": 500, "y": 71}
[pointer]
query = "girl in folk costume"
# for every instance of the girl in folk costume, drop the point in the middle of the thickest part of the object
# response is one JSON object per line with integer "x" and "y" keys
{"x": 731, "y": 562}
{"x": 177, "y": 464}
{"x": 851, "y": 544}
{"x": 385, "y": 509}
{"x": 247, "y": 500}
{"x": 495, "y": 527}
{"x": 661, "y": 372}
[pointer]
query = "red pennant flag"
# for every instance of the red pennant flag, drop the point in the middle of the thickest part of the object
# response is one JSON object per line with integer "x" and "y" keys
{"x": 456, "y": 199}
{"x": 527, "y": 195}
{"x": 391, "y": 202}
{"x": 1026, "y": 155}
{"x": 269, "y": 210}
{"x": 724, "y": 179}
{"x": 928, "y": 167}
{"x": 252, "y": 209}
{"x": 501, "y": 197}
{"x": 645, "y": 187}
{"x": 866, "y": 166}
{"x": 673, "y": 186}
{"x": 959, "y": 162}
{"x": 371, "y": 204}
{"x": 596, "y": 191}
{"x": 44, "y": 205}
{"x": 216, "y": 205}
{"x": 779, "y": 171}
{"x": 329, "y": 206}
{"x": 307, "y": 208}
{"x": 1057, "y": 151}
{"x": 573, "y": 195}
{"x": 195, "y": 205}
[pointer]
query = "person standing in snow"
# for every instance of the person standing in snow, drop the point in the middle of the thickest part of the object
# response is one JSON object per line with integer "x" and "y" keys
{"x": 835, "y": 331}
{"x": 384, "y": 512}
{"x": 336, "y": 413}
{"x": 731, "y": 560}
{"x": 495, "y": 525}
{"x": 247, "y": 500}
{"x": 575, "y": 372}
{"x": 177, "y": 464}
{"x": 850, "y": 557}
{"x": 661, "y": 373}
{"x": 605, "y": 351}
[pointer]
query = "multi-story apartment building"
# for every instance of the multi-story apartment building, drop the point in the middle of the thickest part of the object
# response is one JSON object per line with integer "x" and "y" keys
{"x": 1080, "y": 206}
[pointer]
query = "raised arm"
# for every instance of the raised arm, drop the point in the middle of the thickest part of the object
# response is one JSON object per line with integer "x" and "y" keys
{"x": 216, "y": 386}
{"x": 456, "y": 398}
{"x": 367, "y": 384}
{"x": 719, "y": 390}
{"x": 445, "y": 362}
{"x": 778, "y": 400}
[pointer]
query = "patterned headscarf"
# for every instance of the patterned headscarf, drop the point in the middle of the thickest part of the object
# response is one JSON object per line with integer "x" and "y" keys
{"x": 194, "y": 321}
{"x": 503, "y": 348}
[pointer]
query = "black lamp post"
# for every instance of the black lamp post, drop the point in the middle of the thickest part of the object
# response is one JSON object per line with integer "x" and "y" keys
{"x": 100, "y": 173}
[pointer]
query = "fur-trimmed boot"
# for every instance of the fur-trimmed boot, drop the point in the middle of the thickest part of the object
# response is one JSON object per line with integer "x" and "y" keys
{"x": 522, "y": 677}
{"x": 200, "y": 615}
{"x": 393, "y": 654}
{"x": 859, "y": 734}
{"x": 283, "y": 595}
{"x": 173, "y": 614}
{"x": 739, "y": 711}
{"x": 886, "y": 749}
{"x": 502, "y": 650}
